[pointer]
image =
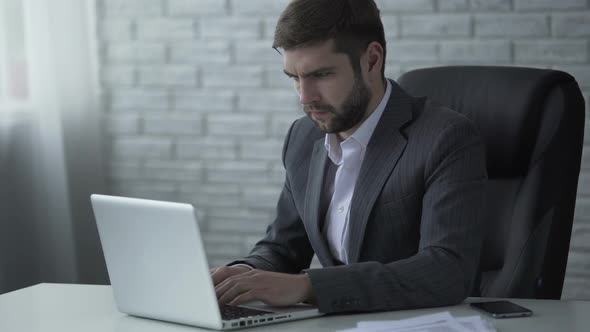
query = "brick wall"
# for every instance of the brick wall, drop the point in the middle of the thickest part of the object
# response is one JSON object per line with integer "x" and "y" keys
{"x": 196, "y": 104}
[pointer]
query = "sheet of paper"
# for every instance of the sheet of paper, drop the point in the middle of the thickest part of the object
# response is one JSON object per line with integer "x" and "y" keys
{"x": 476, "y": 324}
{"x": 448, "y": 326}
{"x": 439, "y": 322}
{"x": 425, "y": 319}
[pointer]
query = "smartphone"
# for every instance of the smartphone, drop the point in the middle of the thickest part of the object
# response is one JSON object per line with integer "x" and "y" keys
{"x": 502, "y": 309}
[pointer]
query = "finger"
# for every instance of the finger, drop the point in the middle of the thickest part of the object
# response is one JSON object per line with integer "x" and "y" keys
{"x": 239, "y": 274}
{"x": 235, "y": 285}
{"x": 245, "y": 297}
{"x": 231, "y": 293}
{"x": 227, "y": 284}
{"x": 223, "y": 287}
{"x": 222, "y": 274}
{"x": 222, "y": 279}
{"x": 218, "y": 276}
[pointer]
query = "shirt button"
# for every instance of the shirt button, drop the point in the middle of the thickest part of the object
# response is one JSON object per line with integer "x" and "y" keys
{"x": 341, "y": 209}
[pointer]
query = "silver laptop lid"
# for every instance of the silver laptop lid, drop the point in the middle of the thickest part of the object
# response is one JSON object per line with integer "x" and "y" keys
{"x": 156, "y": 261}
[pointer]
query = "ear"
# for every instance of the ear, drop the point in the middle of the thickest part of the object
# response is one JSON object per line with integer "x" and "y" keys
{"x": 375, "y": 59}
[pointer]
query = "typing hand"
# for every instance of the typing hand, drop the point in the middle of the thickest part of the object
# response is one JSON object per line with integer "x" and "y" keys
{"x": 276, "y": 289}
{"x": 219, "y": 274}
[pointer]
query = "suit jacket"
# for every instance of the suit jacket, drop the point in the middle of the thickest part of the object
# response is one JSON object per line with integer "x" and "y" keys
{"x": 414, "y": 227}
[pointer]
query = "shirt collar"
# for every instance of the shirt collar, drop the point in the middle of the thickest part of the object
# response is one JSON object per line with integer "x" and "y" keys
{"x": 362, "y": 134}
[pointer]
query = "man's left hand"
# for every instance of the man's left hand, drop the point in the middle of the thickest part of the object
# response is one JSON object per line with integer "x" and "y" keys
{"x": 272, "y": 288}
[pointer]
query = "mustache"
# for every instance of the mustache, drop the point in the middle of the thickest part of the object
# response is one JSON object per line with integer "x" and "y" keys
{"x": 319, "y": 108}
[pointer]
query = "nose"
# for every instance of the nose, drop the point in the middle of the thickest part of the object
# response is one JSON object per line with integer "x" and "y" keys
{"x": 307, "y": 92}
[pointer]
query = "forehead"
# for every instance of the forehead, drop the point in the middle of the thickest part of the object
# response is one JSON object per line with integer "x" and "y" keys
{"x": 306, "y": 59}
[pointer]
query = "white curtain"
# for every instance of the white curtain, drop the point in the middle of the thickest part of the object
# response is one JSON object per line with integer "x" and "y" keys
{"x": 50, "y": 144}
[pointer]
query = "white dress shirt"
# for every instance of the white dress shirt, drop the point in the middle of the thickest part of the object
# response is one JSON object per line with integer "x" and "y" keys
{"x": 348, "y": 157}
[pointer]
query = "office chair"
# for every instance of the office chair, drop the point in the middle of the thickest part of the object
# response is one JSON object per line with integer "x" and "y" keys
{"x": 532, "y": 124}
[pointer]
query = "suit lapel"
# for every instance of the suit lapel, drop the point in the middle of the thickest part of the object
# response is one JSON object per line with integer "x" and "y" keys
{"x": 313, "y": 195}
{"x": 383, "y": 151}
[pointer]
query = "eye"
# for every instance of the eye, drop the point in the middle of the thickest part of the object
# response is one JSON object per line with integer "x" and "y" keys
{"x": 322, "y": 74}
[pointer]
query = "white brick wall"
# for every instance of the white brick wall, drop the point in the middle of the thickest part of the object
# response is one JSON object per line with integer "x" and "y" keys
{"x": 280, "y": 123}
{"x": 132, "y": 8}
{"x": 116, "y": 75}
{"x": 166, "y": 29}
{"x": 172, "y": 124}
{"x": 257, "y": 7}
{"x": 167, "y": 75}
{"x": 126, "y": 147}
{"x": 256, "y": 52}
{"x": 204, "y": 100}
{"x": 201, "y": 52}
{"x": 192, "y": 8}
{"x": 267, "y": 149}
{"x": 551, "y": 51}
{"x": 491, "y": 5}
{"x": 174, "y": 171}
{"x": 511, "y": 25}
{"x": 412, "y": 51}
{"x": 233, "y": 76}
{"x": 453, "y": 5}
{"x": 123, "y": 124}
{"x": 117, "y": 29}
{"x": 475, "y": 52}
{"x": 571, "y": 25}
{"x": 543, "y": 5}
{"x": 267, "y": 100}
{"x": 436, "y": 25}
{"x": 207, "y": 148}
{"x": 404, "y": 6}
{"x": 197, "y": 105}
{"x": 274, "y": 77}
{"x": 125, "y": 170}
{"x": 242, "y": 125}
{"x": 231, "y": 27}
{"x": 135, "y": 52}
{"x": 139, "y": 99}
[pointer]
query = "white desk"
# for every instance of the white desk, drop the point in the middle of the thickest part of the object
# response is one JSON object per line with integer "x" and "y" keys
{"x": 84, "y": 308}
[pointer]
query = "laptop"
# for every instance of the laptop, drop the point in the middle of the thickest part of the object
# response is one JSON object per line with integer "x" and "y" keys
{"x": 158, "y": 267}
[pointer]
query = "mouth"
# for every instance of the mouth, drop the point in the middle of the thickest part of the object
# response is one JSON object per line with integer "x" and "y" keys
{"x": 319, "y": 114}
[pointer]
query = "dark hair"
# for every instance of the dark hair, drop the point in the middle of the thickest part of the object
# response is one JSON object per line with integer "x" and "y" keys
{"x": 352, "y": 24}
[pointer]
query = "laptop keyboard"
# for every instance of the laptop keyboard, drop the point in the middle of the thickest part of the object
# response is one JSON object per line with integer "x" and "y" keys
{"x": 229, "y": 312}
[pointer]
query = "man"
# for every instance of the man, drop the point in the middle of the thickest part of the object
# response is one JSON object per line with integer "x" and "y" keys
{"x": 383, "y": 187}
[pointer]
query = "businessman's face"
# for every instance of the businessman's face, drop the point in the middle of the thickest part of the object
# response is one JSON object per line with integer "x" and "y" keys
{"x": 332, "y": 94}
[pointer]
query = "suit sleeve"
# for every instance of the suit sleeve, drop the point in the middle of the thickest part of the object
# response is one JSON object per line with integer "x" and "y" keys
{"x": 443, "y": 269}
{"x": 285, "y": 247}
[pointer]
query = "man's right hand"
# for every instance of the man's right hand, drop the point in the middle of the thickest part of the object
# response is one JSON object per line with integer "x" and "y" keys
{"x": 219, "y": 274}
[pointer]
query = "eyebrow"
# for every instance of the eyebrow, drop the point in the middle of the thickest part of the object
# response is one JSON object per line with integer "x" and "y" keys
{"x": 311, "y": 72}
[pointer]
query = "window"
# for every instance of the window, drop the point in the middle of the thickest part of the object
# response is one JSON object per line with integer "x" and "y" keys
{"x": 14, "y": 84}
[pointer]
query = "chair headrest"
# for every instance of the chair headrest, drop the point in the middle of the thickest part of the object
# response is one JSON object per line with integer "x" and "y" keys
{"x": 505, "y": 103}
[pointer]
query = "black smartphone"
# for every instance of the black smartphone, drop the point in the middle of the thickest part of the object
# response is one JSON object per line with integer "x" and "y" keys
{"x": 502, "y": 309}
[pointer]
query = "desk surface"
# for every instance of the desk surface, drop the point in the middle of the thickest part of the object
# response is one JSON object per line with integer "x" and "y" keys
{"x": 68, "y": 308}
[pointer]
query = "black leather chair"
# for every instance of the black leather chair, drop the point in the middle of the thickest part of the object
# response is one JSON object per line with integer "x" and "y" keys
{"x": 532, "y": 123}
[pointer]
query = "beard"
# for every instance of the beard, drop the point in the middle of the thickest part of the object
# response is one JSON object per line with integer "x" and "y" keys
{"x": 351, "y": 113}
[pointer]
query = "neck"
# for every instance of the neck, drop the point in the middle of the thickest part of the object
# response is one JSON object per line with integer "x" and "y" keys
{"x": 377, "y": 93}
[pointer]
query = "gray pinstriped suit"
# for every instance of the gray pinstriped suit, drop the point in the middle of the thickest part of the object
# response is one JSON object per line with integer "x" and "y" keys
{"x": 414, "y": 230}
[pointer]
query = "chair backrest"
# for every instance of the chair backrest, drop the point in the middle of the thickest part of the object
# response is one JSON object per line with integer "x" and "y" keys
{"x": 532, "y": 123}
